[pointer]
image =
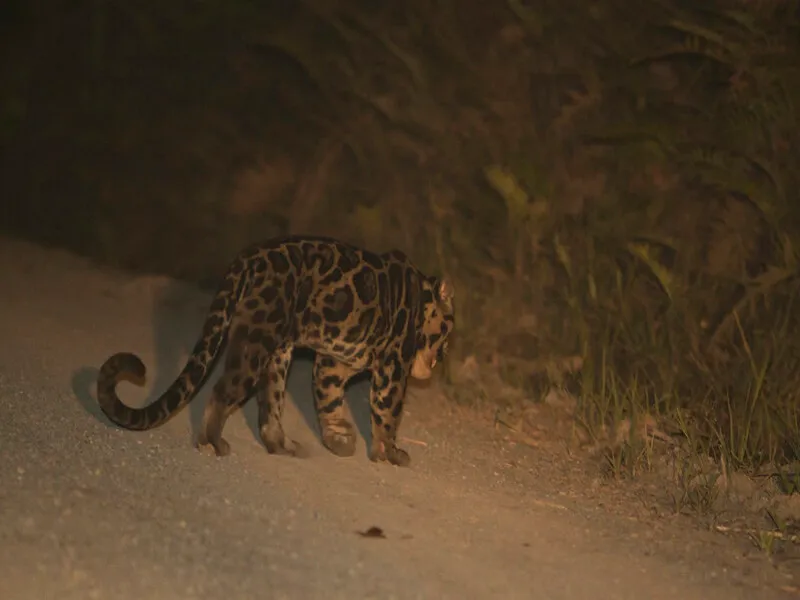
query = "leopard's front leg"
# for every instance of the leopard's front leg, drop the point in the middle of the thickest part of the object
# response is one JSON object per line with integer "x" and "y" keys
{"x": 386, "y": 411}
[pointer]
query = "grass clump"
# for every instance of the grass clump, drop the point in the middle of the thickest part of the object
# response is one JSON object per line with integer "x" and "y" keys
{"x": 618, "y": 190}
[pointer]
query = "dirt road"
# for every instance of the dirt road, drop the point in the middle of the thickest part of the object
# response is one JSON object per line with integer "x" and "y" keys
{"x": 90, "y": 511}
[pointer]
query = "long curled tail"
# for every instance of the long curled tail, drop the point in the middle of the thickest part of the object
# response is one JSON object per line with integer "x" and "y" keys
{"x": 127, "y": 366}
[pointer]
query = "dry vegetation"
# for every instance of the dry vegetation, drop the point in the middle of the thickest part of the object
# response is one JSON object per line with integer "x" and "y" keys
{"x": 614, "y": 190}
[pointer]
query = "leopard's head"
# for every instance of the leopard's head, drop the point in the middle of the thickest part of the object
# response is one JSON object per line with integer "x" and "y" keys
{"x": 439, "y": 319}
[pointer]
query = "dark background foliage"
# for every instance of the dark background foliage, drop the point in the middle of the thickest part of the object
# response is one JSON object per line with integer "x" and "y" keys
{"x": 614, "y": 184}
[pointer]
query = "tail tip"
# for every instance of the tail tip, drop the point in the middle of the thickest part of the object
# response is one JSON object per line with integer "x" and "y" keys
{"x": 124, "y": 366}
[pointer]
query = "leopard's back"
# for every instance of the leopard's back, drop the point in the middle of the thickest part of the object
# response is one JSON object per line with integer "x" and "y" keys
{"x": 331, "y": 297}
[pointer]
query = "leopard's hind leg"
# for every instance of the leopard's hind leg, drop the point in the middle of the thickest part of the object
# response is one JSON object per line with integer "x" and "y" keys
{"x": 271, "y": 398}
{"x": 235, "y": 386}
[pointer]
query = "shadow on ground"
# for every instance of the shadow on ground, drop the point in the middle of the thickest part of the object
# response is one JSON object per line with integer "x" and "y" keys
{"x": 179, "y": 312}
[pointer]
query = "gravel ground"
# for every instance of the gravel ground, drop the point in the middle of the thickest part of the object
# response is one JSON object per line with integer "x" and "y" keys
{"x": 90, "y": 511}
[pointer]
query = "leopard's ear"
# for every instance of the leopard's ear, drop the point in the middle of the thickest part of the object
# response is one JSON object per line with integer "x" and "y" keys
{"x": 444, "y": 290}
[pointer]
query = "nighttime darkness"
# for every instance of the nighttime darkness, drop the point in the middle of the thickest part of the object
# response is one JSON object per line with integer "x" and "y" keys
{"x": 321, "y": 299}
